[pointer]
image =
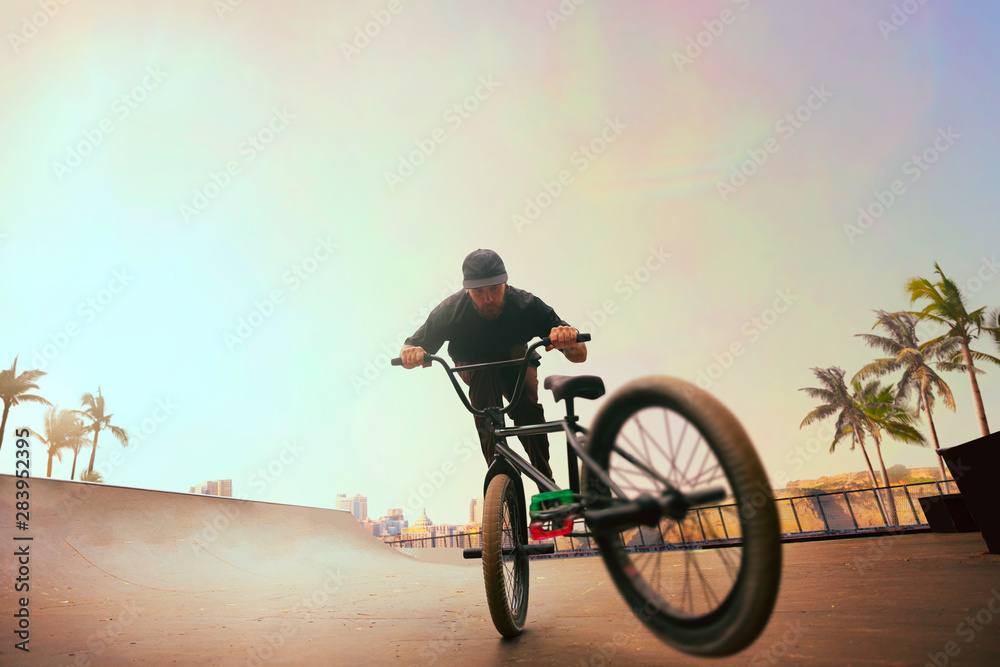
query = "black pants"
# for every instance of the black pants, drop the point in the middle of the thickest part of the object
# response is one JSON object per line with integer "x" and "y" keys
{"x": 485, "y": 390}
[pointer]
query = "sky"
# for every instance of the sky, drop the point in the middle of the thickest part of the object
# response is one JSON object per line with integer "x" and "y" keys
{"x": 228, "y": 215}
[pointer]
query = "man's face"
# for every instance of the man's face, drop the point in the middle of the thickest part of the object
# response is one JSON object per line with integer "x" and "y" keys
{"x": 488, "y": 301}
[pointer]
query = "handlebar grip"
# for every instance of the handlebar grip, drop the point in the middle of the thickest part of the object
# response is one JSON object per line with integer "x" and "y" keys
{"x": 398, "y": 361}
{"x": 580, "y": 338}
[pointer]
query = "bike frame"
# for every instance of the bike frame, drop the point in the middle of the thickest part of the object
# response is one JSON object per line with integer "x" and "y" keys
{"x": 505, "y": 458}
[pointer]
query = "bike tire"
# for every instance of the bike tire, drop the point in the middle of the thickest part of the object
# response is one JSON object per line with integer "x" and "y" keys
{"x": 505, "y": 576}
{"x": 659, "y": 581}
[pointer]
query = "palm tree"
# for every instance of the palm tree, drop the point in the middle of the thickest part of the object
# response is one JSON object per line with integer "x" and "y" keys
{"x": 63, "y": 430}
{"x": 77, "y": 444}
{"x": 994, "y": 321}
{"x": 14, "y": 388}
{"x": 881, "y": 406}
{"x": 907, "y": 355}
{"x": 91, "y": 476}
{"x": 947, "y": 306}
{"x": 98, "y": 422}
{"x": 869, "y": 408}
{"x": 837, "y": 400}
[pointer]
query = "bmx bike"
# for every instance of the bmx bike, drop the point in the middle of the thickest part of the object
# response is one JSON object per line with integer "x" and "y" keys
{"x": 660, "y": 451}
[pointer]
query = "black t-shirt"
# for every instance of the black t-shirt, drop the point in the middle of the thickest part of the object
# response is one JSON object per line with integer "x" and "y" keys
{"x": 473, "y": 339}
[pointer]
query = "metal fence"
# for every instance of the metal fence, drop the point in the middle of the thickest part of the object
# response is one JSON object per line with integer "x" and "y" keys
{"x": 853, "y": 512}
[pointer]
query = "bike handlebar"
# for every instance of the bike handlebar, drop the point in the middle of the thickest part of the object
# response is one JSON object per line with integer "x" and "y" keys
{"x": 544, "y": 342}
{"x": 523, "y": 362}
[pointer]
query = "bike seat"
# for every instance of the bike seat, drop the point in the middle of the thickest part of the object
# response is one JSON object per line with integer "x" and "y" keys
{"x": 570, "y": 386}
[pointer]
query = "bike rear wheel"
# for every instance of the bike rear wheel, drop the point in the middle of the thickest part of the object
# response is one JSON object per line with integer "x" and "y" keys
{"x": 505, "y": 563}
{"x": 705, "y": 585}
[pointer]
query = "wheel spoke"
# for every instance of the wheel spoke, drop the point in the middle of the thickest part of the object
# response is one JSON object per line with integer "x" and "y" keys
{"x": 672, "y": 455}
{"x": 693, "y": 574}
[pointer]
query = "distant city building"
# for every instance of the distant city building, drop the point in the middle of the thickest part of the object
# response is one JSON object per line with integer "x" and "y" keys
{"x": 358, "y": 506}
{"x": 215, "y": 487}
{"x": 420, "y": 532}
{"x": 473, "y": 538}
{"x": 425, "y": 534}
{"x": 476, "y": 510}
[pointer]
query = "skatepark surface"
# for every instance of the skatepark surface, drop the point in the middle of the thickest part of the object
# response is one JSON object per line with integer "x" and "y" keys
{"x": 126, "y": 576}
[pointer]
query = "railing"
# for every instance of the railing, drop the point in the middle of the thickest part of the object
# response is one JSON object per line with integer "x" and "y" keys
{"x": 842, "y": 513}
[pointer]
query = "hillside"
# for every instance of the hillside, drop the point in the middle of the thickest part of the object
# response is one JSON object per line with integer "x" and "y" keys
{"x": 898, "y": 474}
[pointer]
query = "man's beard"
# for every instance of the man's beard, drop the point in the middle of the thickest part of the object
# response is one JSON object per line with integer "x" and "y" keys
{"x": 490, "y": 311}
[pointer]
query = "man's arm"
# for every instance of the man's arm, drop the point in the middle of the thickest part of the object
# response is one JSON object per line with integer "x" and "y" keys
{"x": 564, "y": 340}
{"x": 430, "y": 335}
{"x": 412, "y": 356}
{"x": 577, "y": 354}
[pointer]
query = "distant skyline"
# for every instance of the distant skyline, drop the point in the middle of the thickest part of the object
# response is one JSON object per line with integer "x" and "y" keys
{"x": 229, "y": 220}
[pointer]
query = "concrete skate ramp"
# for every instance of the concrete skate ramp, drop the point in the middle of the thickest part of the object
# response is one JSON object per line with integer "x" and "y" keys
{"x": 123, "y": 576}
{"x": 100, "y": 553}
{"x": 95, "y": 538}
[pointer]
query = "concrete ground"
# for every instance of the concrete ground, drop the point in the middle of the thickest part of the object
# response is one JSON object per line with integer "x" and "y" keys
{"x": 125, "y": 576}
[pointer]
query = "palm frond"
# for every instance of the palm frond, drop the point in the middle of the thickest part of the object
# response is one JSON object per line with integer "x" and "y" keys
{"x": 982, "y": 356}
{"x": 31, "y": 398}
{"x": 957, "y": 366}
{"x": 876, "y": 368}
{"x": 119, "y": 433}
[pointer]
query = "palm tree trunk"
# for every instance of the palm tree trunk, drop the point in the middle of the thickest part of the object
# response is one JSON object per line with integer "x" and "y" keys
{"x": 48, "y": 472}
{"x": 93, "y": 452}
{"x": 76, "y": 453}
{"x": 889, "y": 501}
{"x": 977, "y": 396}
{"x": 3, "y": 424}
{"x": 871, "y": 471}
{"x": 934, "y": 437}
